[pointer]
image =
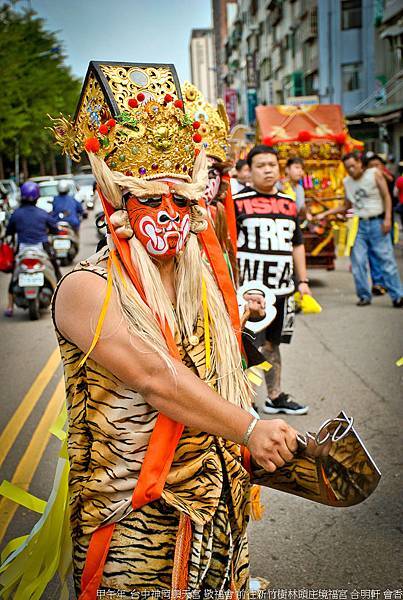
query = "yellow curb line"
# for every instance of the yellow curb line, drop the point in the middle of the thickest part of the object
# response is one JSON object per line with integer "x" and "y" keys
{"x": 32, "y": 456}
{"x": 17, "y": 421}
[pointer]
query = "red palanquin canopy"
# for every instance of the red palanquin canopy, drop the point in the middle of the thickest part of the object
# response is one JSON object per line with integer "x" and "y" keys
{"x": 302, "y": 123}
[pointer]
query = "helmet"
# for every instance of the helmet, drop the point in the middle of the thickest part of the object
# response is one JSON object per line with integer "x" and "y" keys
{"x": 63, "y": 187}
{"x": 30, "y": 191}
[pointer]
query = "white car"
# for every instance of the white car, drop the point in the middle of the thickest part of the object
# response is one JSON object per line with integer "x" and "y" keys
{"x": 85, "y": 185}
{"x": 13, "y": 192}
{"x": 48, "y": 191}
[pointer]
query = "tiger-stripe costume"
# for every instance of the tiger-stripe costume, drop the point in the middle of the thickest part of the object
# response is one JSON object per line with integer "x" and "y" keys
{"x": 109, "y": 428}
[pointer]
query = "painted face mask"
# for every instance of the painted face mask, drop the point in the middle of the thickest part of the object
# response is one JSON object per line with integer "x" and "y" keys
{"x": 214, "y": 181}
{"x": 160, "y": 223}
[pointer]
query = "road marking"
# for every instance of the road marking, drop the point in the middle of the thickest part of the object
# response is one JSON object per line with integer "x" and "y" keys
{"x": 32, "y": 456}
{"x": 17, "y": 421}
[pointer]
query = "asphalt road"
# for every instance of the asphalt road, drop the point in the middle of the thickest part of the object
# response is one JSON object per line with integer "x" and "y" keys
{"x": 342, "y": 358}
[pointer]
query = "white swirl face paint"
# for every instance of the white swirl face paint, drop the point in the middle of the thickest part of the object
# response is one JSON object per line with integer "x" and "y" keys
{"x": 161, "y": 224}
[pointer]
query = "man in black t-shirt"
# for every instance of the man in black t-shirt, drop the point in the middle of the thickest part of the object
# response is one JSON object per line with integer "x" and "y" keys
{"x": 270, "y": 244}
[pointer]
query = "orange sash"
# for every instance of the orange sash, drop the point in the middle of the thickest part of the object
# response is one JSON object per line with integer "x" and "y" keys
{"x": 230, "y": 212}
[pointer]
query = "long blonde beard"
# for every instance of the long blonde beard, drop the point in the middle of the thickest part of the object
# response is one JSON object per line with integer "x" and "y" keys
{"x": 142, "y": 319}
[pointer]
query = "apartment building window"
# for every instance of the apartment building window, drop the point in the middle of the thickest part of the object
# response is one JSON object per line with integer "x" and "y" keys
{"x": 297, "y": 83}
{"x": 351, "y": 77}
{"x": 311, "y": 84}
{"x": 351, "y": 14}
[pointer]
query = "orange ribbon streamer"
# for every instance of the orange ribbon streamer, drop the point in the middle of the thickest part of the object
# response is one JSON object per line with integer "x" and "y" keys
{"x": 230, "y": 212}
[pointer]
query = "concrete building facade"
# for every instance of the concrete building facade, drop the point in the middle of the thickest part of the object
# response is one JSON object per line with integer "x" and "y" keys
{"x": 202, "y": 63}
{"x": 329, "y": 51}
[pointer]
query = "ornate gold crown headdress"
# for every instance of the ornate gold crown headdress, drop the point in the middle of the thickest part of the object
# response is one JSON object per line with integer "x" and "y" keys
{"x": 132, "y": 116}
{"x": 214, "y": 124}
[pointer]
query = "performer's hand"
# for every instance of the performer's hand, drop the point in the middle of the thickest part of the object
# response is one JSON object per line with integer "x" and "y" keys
{"x": 254, "y": 308}
{"x": 272, "y": 444}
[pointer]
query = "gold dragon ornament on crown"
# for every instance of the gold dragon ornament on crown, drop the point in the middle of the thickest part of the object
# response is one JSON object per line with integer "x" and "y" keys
{"x": 149, "y": 135}
{"x": 214, "y": 124}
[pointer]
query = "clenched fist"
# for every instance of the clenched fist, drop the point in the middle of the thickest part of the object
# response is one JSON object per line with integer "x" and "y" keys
{"x": 273, "y": 443}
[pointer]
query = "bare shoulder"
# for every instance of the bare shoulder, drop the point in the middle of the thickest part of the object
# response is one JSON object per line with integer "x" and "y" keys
{"x": 80, "y": 286}
{"x": 79, "y": 297}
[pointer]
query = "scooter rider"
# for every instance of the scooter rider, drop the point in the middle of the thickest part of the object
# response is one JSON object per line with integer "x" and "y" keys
{"x": 31, "y": 224}
{"x": 70, "y": 207}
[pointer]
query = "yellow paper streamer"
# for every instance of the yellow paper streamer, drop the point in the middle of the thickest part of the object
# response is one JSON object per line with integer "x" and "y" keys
{"x": 57, "y": 427}
{"x": 118, "y": 268}
{"x": 11, "y": 546}
{"x": 29, "y": 568}
{"x": 30, "y": 562}
{"x": 352, "y": 227}
{"x": 396, "y": 232}
{"x": 307, "y": 303}
{"x": 255, "y": 379}
{"x": 206, "y": 326}
{"x": 22, "y": 497}
{"x": 265, "y": 366}
{"x": 399, "y": 363}
{"x": 102, "y": 315}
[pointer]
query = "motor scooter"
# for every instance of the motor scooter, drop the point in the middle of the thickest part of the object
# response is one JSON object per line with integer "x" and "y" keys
{"x": 34, "y": 280}
{"x": 65, "y": 243}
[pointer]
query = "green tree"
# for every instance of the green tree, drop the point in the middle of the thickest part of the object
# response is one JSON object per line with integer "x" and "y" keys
{"x": 35, "y": 82}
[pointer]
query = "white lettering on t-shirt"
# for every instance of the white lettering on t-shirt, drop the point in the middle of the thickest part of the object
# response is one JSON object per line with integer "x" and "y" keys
{"x": 267, "y": 234}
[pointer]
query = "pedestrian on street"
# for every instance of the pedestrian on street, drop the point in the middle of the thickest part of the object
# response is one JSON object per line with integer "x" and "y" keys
{"x": 372, "y": 160}
{"x": 291, "y": 184}
{"x": 270, "y": 243}
{"x": 242, "y": 177}
{"x": 367, "y": 192}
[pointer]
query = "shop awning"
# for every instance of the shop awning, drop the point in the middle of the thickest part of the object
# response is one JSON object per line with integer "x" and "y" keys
{"x": 392, "y": 31}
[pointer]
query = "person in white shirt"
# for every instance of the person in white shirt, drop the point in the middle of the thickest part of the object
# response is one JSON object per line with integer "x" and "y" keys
{"x": 242, "y": 177}
{"x": 367, "y": 193}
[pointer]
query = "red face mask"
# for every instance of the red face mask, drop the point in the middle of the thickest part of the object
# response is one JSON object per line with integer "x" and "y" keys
{"x": 161, "y": 224}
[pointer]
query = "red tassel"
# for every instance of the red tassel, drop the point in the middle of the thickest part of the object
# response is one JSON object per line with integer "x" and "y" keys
{"x": 304, "y": 136}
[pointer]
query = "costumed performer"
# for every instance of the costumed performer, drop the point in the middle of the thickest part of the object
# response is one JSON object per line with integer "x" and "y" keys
{"x": 157, "y": 399}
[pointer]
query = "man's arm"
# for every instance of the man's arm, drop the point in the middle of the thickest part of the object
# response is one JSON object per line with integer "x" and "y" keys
{"x": 51, "y": 223}
{"x": 343, "y": 208}
{"x": 387, "y": 201}
{"x": 181, "y": 396}
{"x": 298, "y": 255}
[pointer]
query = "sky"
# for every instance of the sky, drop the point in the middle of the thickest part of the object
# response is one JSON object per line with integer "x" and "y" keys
{"x": 155, "y": 31}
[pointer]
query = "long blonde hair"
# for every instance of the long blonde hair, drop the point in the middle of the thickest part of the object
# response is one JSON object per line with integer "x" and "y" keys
{"x": 191, "y": 269}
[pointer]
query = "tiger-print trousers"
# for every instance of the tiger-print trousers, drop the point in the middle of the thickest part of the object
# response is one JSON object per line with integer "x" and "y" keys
{"x": 141, "y": 554}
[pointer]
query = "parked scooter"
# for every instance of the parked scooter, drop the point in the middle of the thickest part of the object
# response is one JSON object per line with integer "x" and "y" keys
{"x": 65, "y": 243}
{"x": 34, "y": 280}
